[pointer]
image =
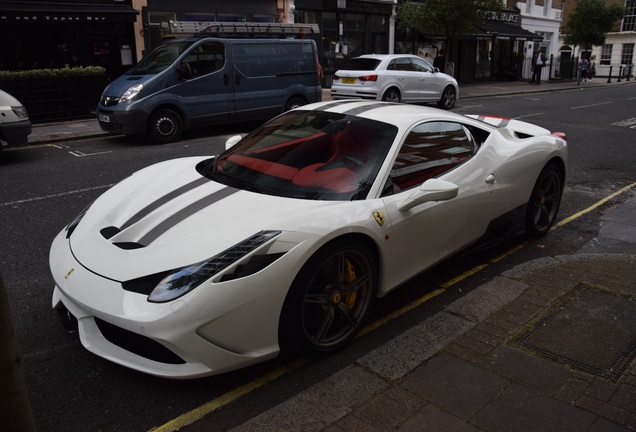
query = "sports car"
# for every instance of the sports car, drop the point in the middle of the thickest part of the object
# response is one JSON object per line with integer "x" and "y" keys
{"x": 202, "y": 265}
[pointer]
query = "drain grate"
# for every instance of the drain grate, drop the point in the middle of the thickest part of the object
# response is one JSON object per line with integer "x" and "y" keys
{"x": 589, "y": 329}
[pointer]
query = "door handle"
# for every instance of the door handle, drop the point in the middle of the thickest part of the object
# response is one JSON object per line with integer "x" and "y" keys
{"x": 491, "y": 179}
{"x": 237, "y": 78}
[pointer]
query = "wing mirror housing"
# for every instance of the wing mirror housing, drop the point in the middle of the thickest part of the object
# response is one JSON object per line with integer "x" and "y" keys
{"x": 430, "y": 190}
{"x": 232, "y": 141}
{"x": 184, "y": 71}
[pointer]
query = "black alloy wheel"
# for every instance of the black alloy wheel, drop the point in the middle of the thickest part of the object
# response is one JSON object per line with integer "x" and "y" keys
{"x": 329, "y": 299}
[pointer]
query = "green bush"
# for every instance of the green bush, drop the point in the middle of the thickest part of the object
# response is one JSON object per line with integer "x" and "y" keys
{"x": 52, "y": 73}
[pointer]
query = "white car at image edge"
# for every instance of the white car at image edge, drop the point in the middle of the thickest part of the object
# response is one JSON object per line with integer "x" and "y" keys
{"x": 201, "y": 265}
{"x": 15, "y": 126}
{"x": 394, "y": 78}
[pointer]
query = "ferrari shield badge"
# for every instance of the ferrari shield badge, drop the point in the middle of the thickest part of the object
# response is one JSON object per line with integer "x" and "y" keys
{"x": 379, "y": 217}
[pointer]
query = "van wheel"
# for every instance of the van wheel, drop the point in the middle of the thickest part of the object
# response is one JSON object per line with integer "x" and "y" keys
{"x": 165, "y": 126}
{"x": 294, "y": 102}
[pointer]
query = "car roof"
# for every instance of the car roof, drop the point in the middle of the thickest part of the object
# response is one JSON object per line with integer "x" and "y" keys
{"x": 386, "y": 56}
{"x": 398, "y": 114}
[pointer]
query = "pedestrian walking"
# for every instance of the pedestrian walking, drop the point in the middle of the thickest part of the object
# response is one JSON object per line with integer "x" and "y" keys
{"x": 584, "y": 66}
{"x": 537, "y": 65}
{"x": 592, "y": 69}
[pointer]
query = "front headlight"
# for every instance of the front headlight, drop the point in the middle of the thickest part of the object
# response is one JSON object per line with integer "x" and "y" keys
{"x": 131, "y": 92}
{"x": 181, "y": 281}
{"x": 20, "y": 111}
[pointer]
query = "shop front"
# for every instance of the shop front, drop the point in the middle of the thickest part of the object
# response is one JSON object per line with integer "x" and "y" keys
{"x": 52, "y": 35}
{"x": 348, "y": 28}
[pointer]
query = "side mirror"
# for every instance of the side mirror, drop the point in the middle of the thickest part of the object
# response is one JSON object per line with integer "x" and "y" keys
{"x": 184, "y": 71}
{"x": 431, "y": 190}
{"x": 436, "y": 69}
{"x": 232, "y": 141}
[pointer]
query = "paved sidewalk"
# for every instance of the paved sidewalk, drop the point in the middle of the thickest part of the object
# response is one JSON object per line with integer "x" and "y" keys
{"x": 47, "y": 133}
{"x": 546, "y": 346}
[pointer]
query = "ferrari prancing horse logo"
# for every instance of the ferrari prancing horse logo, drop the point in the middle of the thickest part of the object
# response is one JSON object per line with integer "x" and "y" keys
{"x": 379, "y": 217}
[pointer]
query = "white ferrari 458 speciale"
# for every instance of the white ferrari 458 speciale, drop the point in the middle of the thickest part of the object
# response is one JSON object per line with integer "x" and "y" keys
{"x": 202, "y": 265}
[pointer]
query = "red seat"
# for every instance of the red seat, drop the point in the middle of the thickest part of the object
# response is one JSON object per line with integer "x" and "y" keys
{"x": 351, "y": 150}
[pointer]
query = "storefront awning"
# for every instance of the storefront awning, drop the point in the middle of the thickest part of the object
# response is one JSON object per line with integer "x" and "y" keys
{"x": 59, "y": 12}
{"x": 503, "y": 31}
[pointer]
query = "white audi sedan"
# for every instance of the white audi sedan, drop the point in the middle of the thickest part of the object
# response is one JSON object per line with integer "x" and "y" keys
{"x": 394, "y": 78}
{"x": 202, "y": 265}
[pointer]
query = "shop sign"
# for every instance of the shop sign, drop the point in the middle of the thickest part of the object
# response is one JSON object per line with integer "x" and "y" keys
{"x": 47, "y": 17}
{"x": 507, "y": 17}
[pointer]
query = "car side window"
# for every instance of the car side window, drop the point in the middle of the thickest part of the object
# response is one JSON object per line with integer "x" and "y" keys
{"x": 401, "y": 64}
{"x": 421, "y": 65}
{"x": 206, "y": 58}
{"x": 430, "y": 150}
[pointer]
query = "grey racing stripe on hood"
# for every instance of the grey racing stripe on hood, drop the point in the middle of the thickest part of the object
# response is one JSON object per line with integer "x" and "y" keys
{"x": 161, "y": 201}
{"x": 360, "y": 110}
{"x": 185, "y": 213}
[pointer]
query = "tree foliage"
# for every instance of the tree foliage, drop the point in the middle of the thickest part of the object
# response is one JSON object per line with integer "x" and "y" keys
{"x": 590, "y": 21}
{"x": 447, "y": 18}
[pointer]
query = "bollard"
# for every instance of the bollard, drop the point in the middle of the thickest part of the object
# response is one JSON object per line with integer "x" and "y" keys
{"x": 629, "y": 73}
{"x": 15, "y": 408}
{"x": 620, "y": 73}
{"x": 609, "y": 77}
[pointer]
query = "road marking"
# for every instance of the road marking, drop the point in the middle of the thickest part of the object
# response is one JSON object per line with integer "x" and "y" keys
{"x": 528, "y": 115}
{"x": 592, "y": 105}
{"x": 200, "y": 412}
{"x": 223, "y": 400}
{"x": 82, "y": 154}
{"x": 40, "y": 198}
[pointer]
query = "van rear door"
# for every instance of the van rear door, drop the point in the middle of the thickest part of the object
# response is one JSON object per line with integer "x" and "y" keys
{"x": 207, "y": 94}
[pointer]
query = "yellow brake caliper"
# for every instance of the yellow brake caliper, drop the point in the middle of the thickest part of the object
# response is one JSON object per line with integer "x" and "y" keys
{"x": 350, "y": 276}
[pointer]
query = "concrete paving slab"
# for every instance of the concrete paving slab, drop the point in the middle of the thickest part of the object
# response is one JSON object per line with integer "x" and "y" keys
{"x": 455, "y": 385}
{"x": 520, "y": 409}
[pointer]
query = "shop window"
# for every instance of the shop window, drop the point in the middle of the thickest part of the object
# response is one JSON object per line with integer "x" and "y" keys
{"x": 159, "y": 17}
{"x": 199, "y": 16}
{"x": 230, "y": 17}
{"x": 263, "y": 18}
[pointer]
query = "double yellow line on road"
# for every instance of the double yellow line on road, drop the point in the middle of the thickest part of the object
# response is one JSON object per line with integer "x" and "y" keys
{"x": 209, "y": 407}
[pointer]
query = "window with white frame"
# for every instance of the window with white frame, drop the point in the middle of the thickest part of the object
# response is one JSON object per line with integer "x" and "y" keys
{"x": 629, "y": 21}
{"x": 628, "y": 54}
{"x": 606, "y": 54}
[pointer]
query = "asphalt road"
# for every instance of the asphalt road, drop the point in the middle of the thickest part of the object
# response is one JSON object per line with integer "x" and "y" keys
{"x": 43, "y": 188}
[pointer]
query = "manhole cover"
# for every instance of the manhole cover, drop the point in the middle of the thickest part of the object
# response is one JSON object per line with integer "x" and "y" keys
{"x": 588, "y": 329}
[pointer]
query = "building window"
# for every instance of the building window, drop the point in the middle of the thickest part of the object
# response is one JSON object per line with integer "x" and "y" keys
{"x": 606, "y": 54}
{"x": 629, "y": 21}
{"x": 199, "y": 16}
{"x": 230, "y": 17}
{"x": 628, "y": 54}
{"x": 159, "y": 17}
{"x": 263, "y": 18}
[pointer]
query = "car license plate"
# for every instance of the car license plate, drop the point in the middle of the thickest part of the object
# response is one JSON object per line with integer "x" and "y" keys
{"x": 104, "y": 118}
{"x": 348, "y": 80}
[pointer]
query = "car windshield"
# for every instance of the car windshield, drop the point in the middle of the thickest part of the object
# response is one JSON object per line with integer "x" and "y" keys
{"x": 306, "y": 154}
{"x": 160, "y": 58}
{"x": 362, "y": 64}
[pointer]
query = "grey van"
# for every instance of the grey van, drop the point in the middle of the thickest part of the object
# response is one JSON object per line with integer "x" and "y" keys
{"x": 196, "y": 81}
